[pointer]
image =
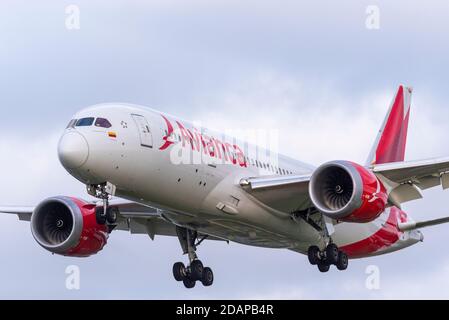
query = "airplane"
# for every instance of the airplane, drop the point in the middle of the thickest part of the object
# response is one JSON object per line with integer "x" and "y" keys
{"x": 152, "y": 173}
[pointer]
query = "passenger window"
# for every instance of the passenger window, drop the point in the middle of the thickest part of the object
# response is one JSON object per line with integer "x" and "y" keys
{"x": 103, "y": 123}
{"x": 85, "y": 122}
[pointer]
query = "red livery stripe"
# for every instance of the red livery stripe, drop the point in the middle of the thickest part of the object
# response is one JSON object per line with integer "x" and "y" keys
{"x": 383, "y": 238}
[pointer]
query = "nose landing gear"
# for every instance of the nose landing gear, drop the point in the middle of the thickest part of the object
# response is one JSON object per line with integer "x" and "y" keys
{"x": 195, "y": 271}
{"x": 110, "y": 218}
{"x": 331, "y": 255}
{"x": 105, "y": 214}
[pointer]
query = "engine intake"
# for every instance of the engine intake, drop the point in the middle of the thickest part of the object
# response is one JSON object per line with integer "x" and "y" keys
{"x": 346, "y": 191}
{"x": 68, "y": 226}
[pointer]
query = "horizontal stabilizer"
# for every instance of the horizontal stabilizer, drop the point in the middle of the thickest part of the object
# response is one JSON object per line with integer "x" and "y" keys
{"x": 407, "y": 226}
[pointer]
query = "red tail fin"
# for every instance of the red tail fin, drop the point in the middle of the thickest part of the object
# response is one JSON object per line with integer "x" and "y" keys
{"x": 392, "y": 138}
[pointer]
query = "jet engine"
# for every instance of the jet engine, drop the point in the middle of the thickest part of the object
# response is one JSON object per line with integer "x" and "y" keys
{"x": 346, "y": 191}
{"x": 68, "y": 226}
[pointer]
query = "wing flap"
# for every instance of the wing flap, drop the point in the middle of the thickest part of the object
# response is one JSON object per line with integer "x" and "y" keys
{"x": 276, "y": 181}
{"x": 285, "y": 193}
{"x": 406, "y": 179}
{"x": 413, "y": 171}
{"x": 445, "y": 181}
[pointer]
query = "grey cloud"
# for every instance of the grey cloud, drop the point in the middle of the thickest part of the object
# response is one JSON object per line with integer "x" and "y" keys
{"x": 312, "y": 68}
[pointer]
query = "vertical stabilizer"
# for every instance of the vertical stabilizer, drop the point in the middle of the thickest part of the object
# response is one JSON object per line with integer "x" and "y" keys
{"x": 392, "y": 137}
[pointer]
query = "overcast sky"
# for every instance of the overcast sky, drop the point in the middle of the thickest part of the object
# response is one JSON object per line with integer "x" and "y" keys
{"x": 314, "y": 72}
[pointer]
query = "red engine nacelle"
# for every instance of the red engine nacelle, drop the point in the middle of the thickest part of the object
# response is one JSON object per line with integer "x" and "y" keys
{"x": 68, "y": 226}
{"x": 346, "y": 191}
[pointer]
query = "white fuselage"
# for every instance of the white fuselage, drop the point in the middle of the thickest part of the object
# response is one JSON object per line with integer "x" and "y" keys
{"x": 193, "y": 176}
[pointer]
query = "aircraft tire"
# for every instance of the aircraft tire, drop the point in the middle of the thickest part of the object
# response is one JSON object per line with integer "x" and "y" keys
{"x": 196, "y": 270}
{"x": 189, "y": 283}
{"x": 313, "y": 255}
{"x": 179, "y": 271}
{"x": 323, "y": 266}
{"x": 332, "y": 254}
{"x": 208, "y": 277}
{"x": 342, "y": 262}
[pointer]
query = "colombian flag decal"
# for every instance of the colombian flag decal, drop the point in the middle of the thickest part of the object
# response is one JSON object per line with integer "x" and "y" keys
{"x": 112, "y": 134}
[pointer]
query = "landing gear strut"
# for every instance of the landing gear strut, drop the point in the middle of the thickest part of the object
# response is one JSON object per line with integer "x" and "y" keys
{"x": 331, "y": 254}
{"x": 195, "y": 271}
{"x": 105, "y": 214}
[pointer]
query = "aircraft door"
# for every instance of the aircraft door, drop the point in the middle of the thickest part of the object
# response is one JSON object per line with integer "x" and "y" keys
{"x": 146, "y": 137}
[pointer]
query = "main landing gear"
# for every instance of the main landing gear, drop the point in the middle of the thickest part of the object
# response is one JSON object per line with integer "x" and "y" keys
{"x": 195, "y": 271}
{"x": 331, "y": 255}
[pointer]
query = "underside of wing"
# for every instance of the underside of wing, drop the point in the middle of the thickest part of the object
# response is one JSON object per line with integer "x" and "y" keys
{"x": 24, "y": 213}
{"x": 406, "y": 179}
{"x": 133, "y": 217}
{"x": 285, "y": 193}
{"x": 140, "y": 219}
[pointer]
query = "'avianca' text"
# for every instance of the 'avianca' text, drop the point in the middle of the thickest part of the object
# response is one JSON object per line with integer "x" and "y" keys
{"x": 213, "y": 147}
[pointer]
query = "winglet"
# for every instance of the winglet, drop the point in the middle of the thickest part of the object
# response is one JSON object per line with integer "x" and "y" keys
{"x": 392, "y": 137}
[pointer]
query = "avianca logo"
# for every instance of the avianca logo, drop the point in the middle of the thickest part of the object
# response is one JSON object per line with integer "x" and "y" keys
{"x": 167, "y": 142}
{"x": 213, "y": 147}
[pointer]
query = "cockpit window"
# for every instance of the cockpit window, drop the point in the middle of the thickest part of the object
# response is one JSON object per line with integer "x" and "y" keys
{"x": 85, "y": 122}
{"x": 71, "y": 124}
{"x": 103, "y": 123}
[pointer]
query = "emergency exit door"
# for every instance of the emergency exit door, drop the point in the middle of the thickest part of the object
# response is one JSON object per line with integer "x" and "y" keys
{"x": 146, "y": 138}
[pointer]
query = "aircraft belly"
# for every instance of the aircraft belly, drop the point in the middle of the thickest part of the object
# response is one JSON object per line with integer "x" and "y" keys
{"x": 229, "y": 211}
{"x": 209, "y": 200}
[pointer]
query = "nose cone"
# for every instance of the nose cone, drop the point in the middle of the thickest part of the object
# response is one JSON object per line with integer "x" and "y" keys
{"x": 73, "y": 150}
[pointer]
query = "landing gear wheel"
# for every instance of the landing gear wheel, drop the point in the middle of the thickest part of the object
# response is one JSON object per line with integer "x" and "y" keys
{"x": 99, "y": 215}
{"x": 332, "y": 254}
{"x": 112, "y": 215}
{"x": 188, "y": 283}
{"x": 179, "y": 271}
{"x": 196, "y": 270}
{"x": 208, "y": 277}
{"x": 342, "y": 262}
{"x": 314, "y": 255}
{"x": 323, "y": 266}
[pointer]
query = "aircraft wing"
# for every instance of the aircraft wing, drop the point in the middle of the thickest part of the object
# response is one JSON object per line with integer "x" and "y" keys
{"x": 134, "y": 217}
{"x": 23, "y": 213}
{"x": 285, "y": 193}
{"x": 140, "y": 219}
{"x": 406, "y": 179}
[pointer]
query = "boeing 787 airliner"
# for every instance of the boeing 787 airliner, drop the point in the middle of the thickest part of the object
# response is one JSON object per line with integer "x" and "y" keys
{"x": 158, "y": 175}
